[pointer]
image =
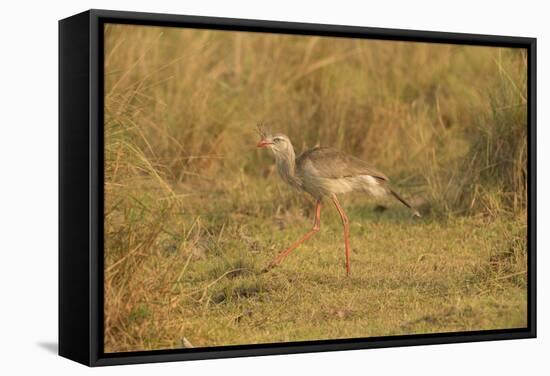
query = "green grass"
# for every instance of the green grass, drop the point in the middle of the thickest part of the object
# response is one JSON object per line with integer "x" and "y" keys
{"x": 201, "y": 279}
{"x": 194, "y": 212}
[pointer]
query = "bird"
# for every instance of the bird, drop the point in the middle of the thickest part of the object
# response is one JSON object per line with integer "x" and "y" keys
{"x": 323, "y": 172}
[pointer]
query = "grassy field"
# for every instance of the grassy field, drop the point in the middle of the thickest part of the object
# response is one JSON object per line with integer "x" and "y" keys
{"x": 193, "y": 211}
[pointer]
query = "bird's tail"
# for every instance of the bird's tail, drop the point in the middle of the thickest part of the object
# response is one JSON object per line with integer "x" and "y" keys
{"x": 403, "y": 201}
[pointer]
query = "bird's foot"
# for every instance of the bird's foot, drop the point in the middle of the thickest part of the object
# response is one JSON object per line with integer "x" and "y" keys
{"x": 268, "y": 268}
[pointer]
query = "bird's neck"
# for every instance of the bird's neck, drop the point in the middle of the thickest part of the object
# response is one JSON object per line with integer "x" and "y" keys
{"x": 286, "y": 165}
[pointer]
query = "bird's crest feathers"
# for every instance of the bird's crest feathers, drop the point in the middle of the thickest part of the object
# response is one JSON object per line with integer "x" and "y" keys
{"x": 262, "y": 130}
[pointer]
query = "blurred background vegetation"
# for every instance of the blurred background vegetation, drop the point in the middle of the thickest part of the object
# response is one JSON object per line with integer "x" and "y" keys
{"x": 446, "y": 123}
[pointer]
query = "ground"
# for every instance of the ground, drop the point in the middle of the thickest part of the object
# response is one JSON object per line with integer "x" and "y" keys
{"x": 194, "y": 211}
{"x": 199, "y": 281}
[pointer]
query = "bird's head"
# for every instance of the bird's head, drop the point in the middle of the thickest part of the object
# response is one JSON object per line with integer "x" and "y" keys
{"x": 278, "y": 143}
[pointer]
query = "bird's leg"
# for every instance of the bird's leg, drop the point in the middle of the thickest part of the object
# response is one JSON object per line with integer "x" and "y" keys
{"x": 345, "y": 222}
{"x": 316, "y": 226}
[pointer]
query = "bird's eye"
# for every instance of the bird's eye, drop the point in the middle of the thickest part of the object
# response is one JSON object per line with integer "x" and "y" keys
{"x": 277, "y": 139}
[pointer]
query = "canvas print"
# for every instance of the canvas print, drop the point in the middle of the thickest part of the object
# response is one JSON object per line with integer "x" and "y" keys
{"x": 266, "y": 188}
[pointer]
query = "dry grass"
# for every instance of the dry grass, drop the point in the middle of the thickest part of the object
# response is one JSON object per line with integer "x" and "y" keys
{"x": 193, "y": 211}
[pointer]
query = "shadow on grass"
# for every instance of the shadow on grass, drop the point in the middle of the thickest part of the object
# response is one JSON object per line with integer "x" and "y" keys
{"x": 391, "y": 215}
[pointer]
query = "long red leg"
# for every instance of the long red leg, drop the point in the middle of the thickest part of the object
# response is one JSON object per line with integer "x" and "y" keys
{"x": 316, "y": 226}
{"x": 345, "y": 222}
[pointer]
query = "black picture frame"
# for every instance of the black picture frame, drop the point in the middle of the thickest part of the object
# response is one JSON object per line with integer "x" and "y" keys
{"x": 81, "y": 186}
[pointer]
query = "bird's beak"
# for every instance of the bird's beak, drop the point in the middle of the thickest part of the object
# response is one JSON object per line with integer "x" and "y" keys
{"x": 264, "y": 143}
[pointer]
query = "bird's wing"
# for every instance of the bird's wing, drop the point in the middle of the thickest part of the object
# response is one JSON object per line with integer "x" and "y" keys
{"x": 333, "y": 164}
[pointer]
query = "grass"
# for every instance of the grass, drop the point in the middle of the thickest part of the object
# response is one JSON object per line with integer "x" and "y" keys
{"x": 201, "y": 279}
{"x": 193, "y": 211}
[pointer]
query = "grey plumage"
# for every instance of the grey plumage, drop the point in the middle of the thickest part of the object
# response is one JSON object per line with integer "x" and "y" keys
{"x": 335, "y": 164}
{"x": 324, "y": 172}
